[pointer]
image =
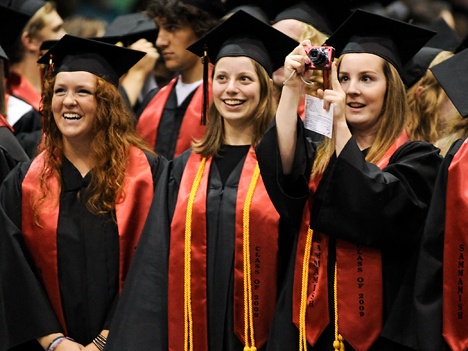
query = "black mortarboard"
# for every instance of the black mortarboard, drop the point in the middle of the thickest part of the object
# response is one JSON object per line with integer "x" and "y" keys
{"x": 13, "y": 24}
{"x": 463, "y": 45}
{"x": 28, "y": 7}
{"x": 244, "y": 35}
{"x": 252, "y": 10}
{"x": 452, "y": 75}
{"x": 417, "y": 67}
{"x": 107, "y": 61}
{"x": 129, "y": 28}
{"x": 316, "y": 16}
{"x": 366, "y": 32}
{"x": 446, "y": 38}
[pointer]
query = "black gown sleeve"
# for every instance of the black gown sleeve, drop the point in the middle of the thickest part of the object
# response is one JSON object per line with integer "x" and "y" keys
{"x": 28, "y": 131}
{"x": 11, "y": 152}
{"x": 140, "y": 320}
{"x": 378, "y": 208}
{"x": 287, "y": 192}
{"x": 428, "y": 285}
{"x": 27, "y": 310}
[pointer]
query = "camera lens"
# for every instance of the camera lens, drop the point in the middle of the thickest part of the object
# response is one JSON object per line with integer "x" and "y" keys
{"x": 318, "y": 57}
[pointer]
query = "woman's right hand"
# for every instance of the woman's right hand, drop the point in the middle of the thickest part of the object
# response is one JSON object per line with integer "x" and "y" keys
{"x": 295, "y": 66}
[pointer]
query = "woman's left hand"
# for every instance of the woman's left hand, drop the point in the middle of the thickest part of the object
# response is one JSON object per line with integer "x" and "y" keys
{"x": 336, "y": 97}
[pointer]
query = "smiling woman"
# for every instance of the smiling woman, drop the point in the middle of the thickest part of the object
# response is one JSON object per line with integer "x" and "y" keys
{"x": 73, "y": 215}
{"x": 197, "y": 286}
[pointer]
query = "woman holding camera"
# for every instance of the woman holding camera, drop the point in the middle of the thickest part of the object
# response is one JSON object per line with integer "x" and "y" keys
{"x": 351, "y": 281}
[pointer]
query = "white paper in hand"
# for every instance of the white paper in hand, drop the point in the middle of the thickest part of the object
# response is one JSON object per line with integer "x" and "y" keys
{"x": 317, "y": 119}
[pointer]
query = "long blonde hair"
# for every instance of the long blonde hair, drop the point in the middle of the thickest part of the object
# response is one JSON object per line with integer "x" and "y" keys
{"x": 391, "y": 122}
{"x": 424, "y": 98}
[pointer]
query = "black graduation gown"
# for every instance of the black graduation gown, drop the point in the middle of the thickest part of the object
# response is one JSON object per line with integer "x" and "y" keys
{"x": 11, "y": 152}
{"x": 385, "y": 209}
{"x": 428, "y": 286}
{"x": 140, "y": 321}
{"x": 88, "y": 264}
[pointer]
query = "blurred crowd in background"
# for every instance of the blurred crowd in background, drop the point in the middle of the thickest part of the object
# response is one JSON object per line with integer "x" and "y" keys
{"x": 422, "y": 11}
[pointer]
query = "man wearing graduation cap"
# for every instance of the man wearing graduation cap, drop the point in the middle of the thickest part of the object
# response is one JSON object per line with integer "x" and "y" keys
{"x": 352, "y": 280}
{"x": 170, "y": 118}
{"x": 72, "y": 217}
{"x": 440, "y": 292}
{"x": 207, "y": 271}
{"x": 136, "y": 31}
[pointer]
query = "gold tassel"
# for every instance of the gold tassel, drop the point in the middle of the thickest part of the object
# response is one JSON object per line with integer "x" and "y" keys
{"x": 248, "y": 310}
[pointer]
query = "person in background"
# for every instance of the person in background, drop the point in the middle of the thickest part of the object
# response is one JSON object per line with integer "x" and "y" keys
{"x": 430, "y": 110}
{"x": 303, "y": 21}
{"x": 439, "y": 294}
{"x": 350, "y": 283}
{"x": 85, "y": 26}
{"x": 213, "y": 285}
{"x": 136, "y": 31}
{"x": 25, "y": 78}
{"x": 169, "y": 119}
{"x": 72, "y": 217}
{"x": 11, "y": 152}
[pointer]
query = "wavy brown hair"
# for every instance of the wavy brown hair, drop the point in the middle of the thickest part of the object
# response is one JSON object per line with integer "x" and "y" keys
{"x": 114, "y": 129}
{"x": 178, "y": 11}
{"x": 391, "y": 122}
{"x": 210, "y": 143}
{"x": 424, "y": 98}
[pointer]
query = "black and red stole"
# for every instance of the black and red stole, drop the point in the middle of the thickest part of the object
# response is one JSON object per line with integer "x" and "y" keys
{"x": 455, "y": 296}
{"x": 263, "y": 225}
{"x": 41, "y": 240}
{"x": 191, "y": 127}
{"x": 359, "y": 281}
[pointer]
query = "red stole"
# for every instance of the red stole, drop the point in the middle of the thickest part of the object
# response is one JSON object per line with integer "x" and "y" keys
{"x": 41, "y": 241}
{"x": 21, "y": 88}
{"x": 455, "y": 296}
{"x": 4, "y": 123}
{"x": 191, "y": 127}
{"x": 359, "y": 281}
{"x": 264, "y": 224}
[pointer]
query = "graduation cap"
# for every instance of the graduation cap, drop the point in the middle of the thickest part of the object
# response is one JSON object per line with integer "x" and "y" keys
{"x": 243, "y": 35}
{"x": 315, "y": 15}
{"x": 446, "y": 38}
{"x": 105, "y": 60}
{"x": 391, "y": 39}
{"x": 452, "y": 75}
{"x": 417, "y": 67}
{"x": 28, "y": 7}
{"x": 13, "y": 25}
{"x": 252, "y": 10}
{"x": 129, "y": 28}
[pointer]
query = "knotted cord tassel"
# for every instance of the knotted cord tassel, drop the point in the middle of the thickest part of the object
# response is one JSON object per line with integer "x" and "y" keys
{"x": 205, "y": 61}
{"x": 50, "y": 69}
{"x": 338, "y": 344}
